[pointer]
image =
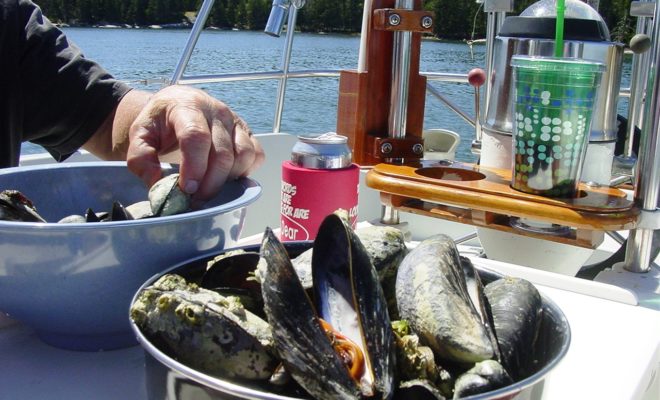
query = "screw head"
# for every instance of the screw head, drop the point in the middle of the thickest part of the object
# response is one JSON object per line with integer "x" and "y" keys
{"x": 418, "y": 149}
{"x": 427, "y": 22}
{"x": 395, "y": 19}
{"x": 386, "y": 148}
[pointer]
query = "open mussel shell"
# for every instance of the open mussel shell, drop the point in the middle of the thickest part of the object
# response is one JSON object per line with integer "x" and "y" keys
{"x": 299, "y": 339}
{"x": 303, "y": 345}
{"x": 386, "y": 248}
{"x": 385, "y": 245}
{"x": 350, "y": 298}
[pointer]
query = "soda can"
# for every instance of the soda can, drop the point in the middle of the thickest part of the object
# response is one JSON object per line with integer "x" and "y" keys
{"x": 319, "y": 179}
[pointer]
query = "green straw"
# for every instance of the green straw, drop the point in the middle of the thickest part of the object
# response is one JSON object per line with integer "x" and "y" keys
{"x": 559, "y": 29}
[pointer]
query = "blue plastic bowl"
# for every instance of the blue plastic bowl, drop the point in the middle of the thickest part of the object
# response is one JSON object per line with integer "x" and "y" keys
{"x": 73, "y": 283}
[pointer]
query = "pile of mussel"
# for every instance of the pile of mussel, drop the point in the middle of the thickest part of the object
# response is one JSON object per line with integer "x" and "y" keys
{"x": 165, "y": 198}
{"x": 357, "y": 316}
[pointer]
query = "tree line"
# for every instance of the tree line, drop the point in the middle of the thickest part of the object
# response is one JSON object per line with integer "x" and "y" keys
{"x": 458, "y": 20}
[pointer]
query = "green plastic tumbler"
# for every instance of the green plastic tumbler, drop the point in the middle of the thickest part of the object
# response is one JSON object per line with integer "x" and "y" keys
{"x": 553, "y": 102}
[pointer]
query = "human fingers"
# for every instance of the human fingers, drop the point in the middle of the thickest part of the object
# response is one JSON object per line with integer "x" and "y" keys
{"x": 221, "y": 155}
{"x": 248, "y": 153}
{"x": 193, "y": 135}
{"x": 145, "y": 143}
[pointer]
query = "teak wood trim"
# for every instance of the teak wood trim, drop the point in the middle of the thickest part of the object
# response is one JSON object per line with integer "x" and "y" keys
{"x": 488, "y": 200}
{"x": 364, "y": 101}
{"x": 577, "y": 237}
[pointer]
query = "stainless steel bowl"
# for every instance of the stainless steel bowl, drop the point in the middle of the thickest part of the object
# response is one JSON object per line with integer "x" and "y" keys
{"x": 73, "y": 283}
{"x": 167, "y": 378}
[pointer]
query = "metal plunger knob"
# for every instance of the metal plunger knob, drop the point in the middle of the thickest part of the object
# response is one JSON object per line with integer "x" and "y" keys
{"x": 640, "y": 43}
{"x": 476, "y": 78}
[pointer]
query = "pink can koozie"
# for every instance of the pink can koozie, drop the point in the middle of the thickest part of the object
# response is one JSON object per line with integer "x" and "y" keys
{"x": 319, "y": 180}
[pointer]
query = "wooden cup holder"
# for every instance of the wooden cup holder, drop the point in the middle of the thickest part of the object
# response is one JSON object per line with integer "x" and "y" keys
{"x": 450, "y": 174}
{"x": 480, "y": 196}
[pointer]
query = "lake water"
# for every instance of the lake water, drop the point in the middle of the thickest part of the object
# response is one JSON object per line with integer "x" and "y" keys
{"x": 136, "y": 55}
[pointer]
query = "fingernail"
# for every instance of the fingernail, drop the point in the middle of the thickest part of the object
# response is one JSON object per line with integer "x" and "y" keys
{"x": 191, "y": 186}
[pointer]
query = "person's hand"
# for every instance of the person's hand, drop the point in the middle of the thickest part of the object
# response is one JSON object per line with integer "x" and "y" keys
{"x": 214, "y": 144}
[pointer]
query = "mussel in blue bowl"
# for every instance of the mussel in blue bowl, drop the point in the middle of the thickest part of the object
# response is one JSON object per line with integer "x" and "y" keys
{"x": 73, "y": 282}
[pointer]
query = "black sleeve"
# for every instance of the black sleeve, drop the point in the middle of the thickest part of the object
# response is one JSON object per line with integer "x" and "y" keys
{"x": 66, "y": 97}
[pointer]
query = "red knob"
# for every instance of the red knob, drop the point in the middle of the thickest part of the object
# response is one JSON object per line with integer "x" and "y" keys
{"x": 476, "y": 77}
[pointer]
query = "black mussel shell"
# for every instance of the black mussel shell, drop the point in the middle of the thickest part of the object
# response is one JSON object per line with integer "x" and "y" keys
{"x": 15, "y": 206}
{"x": 476, "y": 291}
{"x": 232, "y": 271}
{"x": 483, "y": 377}
{"x": 90, "y": 216}
{"x": 517, "y": 311}
{"x": 236, "y": 271}
{"x": 432, "y": 295}
{"x": 119, "y": 212}
{"x": 301, "y": 342}
{"x": 418, "y": 389}
{"x": 346, "y": 284}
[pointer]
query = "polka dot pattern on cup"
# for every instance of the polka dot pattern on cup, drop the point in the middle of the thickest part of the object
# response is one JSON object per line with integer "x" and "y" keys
{"x": 550, "y": 134}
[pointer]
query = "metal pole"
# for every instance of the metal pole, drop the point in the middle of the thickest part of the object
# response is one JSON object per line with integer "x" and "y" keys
{"x": 400, "y": 77}
{"x": 496, "y": 13}
{"x": 451, "y": 105}
{"x": 399, "y": 95}
{"x": 640, "y": 240}
{"x": 465, "y": 238}
{"x": 490, "y": 42}
{"x": 197, "y": 28}
{"x": 624, "y": 164}
{"x": 286, "y": 61}
{"x": 639, "y": 74}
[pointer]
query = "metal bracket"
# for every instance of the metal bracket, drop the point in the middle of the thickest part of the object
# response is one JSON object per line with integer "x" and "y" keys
{"x": 498, "y": 6}
{"x": 410, "y": 147}
{"x": 475, "y": 147}
{"x": 648, "y": 220}
{"x": 623, "y": 169}
{"x": 396, "y": 19}
{"x": 642, "y": 9}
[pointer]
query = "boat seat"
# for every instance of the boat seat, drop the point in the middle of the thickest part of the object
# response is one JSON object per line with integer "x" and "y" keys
{"x": 440, "y": 144}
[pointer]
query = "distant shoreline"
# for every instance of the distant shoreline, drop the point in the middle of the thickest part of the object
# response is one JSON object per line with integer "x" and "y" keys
{"x": 180, "y": 25}
{"x": 183, "y": 26}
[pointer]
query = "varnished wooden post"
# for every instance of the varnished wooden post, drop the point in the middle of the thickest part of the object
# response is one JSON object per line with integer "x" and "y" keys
{"x": 364, "y": 97}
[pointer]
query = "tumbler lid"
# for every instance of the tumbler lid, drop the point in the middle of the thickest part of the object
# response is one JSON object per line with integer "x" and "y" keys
{"x": 575, "y": 29}
{"x": 325, "y": 151}
{"x": 582, "y": 22}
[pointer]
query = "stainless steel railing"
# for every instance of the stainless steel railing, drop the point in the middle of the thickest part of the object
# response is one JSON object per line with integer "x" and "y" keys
{"x": 647, "y": 185}
{"x": 648, "y": 164}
